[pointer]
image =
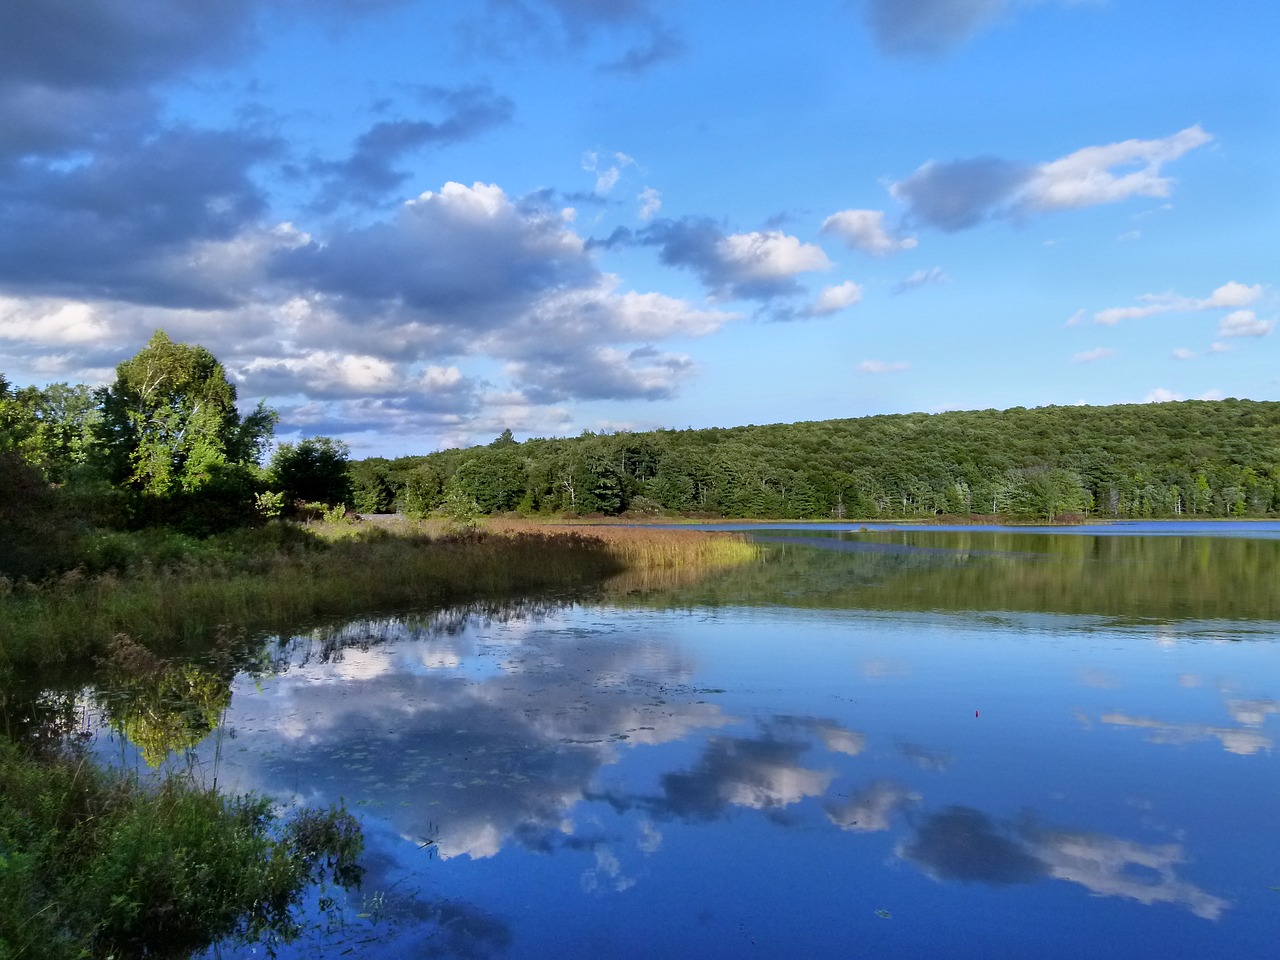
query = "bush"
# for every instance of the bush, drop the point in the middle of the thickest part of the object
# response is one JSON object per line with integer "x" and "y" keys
{"x": 37, "y": 537}
{"x": 95, "y": 864}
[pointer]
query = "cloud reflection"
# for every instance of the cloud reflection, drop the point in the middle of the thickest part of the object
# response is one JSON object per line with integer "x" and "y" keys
{"x": 762, "y": 772}
{"x": 493, "y": 750}
{"x": 964, "y": 844}
{"x": 870, "y": 810}
{"x": 1233, "y": 739}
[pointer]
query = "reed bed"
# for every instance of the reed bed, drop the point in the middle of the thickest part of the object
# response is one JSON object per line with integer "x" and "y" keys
{"x": 641, "y": 548}
{"x": 181, "y": 603}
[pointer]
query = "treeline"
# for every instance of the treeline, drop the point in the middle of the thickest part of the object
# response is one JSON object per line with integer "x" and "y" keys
{"x": 1201, "y": 458}
{"x": 163, "y": 445}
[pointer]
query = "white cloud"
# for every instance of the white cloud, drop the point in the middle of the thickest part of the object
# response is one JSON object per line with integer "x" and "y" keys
{"x": 864, "y": 230}
{"x": 51, "y": 322}
{"x": 329, "y": 373}
{"x": 1089, "y": 356}
{"x": 1106, "y": 174}
{"x": 650, "y": 203}
{"x": 1219, "y": 347}
{"x": 835, "y": 298}
{"x": 1244, "y": 323}
{"x": 1161, "y": 395}
{"x": 882, "y": 366}
{"x": 1232, "y": 294}
{"x": 390, "y": 326}
{"x": 1075, "y": 318}
{"x": 608, "y": 168}
{"x": 770, "y": 255}
{"x": 960, "y": 194}
{"x": 1182, "y": 353}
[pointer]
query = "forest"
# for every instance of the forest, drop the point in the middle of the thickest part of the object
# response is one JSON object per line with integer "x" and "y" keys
{"x": 166, "y": 445}
{"x": 1195, "y": 458}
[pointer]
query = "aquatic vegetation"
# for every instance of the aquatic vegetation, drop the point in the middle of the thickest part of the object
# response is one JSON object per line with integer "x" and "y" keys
{"x": 97, "y": 863}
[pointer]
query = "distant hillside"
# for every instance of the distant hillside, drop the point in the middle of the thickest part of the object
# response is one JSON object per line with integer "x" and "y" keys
{"x": 1208, "y": 458}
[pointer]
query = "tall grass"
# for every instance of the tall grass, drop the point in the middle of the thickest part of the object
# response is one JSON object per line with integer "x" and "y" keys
{"x": 173, "y": 595}
{"x": 96, "y": 864}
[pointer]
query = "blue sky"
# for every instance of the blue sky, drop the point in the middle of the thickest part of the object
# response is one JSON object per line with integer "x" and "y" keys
{"x": 413, "y": 224}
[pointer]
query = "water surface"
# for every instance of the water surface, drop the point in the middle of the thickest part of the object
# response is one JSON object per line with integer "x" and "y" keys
{"x": 899, "y": 744}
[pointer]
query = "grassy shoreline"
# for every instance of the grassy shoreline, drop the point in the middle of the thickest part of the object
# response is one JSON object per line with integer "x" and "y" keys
{"x": 96, "y": 862}
{"x": 174, "y": 595}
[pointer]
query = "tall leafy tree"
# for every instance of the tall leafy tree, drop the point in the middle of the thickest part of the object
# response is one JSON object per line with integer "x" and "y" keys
{"x": 171, "y": 438}
{"x": 170, "y": 423}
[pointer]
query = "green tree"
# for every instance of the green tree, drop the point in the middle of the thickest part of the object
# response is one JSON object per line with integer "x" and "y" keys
{"x": 313, "y": 470}
{"x": 495, "y": 480}
{"x": 53, "y": 427}
{"x": 371, "y": 489}
{"x": 422, "y": 492}
{"x": 171, "y": 435}
{"x": 169, "y": 421}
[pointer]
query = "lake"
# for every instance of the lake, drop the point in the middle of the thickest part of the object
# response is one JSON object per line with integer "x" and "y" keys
{"x": 898, "y": 743}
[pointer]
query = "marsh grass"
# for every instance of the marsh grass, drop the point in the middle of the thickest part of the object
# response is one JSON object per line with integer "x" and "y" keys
{"x": 175, "y": 594}
{"x": 97, "y": 864}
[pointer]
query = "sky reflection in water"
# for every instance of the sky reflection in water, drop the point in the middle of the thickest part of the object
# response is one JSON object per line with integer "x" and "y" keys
{"x": 717, "y": 781}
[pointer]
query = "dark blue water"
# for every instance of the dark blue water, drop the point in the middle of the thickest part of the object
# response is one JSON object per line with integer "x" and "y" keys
{"x": 774, "y": 780}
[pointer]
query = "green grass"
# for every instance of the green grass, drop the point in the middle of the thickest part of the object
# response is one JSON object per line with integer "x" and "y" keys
{"x": 92, "y": 863}
{"x": 175, "y": 594}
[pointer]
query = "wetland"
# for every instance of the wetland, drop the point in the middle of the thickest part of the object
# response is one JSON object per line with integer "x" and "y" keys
{"x": 884, "y": 742}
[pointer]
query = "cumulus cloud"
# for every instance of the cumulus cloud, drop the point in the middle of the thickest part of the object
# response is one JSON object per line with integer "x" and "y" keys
{"x": 1231, "y": 294}
{"x": 127, "y": 223}
{"x": 370, "y": 172}
{"x": 372, "y": 327}
{"x": 1244, "y": 323}
{"x": 835, "y": 298}
{"x": 961, "y": 194}
{"x": 1162, "y": 395}
{"x": 760, "y": 265}
{"x": 70, "y": 72}
{"x": 115, "y": 219}
{"x": 1089, "y": 356}
{"x": 865, "y": 230}
{"x": 882, "y": 366}
{"x": 465, "y": 255}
